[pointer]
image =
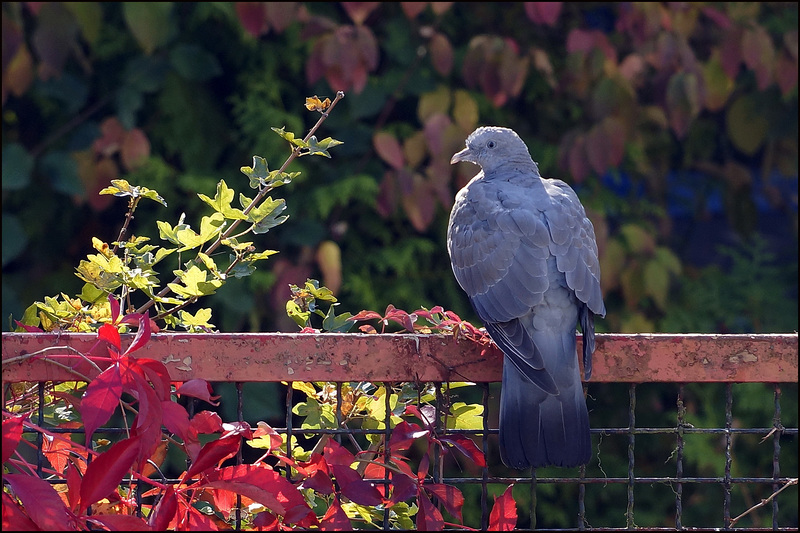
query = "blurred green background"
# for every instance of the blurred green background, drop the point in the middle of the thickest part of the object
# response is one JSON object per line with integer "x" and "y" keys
{"x": 676, "y": 123}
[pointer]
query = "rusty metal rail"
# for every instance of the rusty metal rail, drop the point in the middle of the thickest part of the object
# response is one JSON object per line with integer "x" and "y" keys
{"x": 248, "y": 357}
{"x": 627, "y": 364}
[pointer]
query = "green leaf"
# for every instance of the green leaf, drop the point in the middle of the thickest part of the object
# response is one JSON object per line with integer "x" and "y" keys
{"x": 194, "y": 283}
{"x": 268, "y": 215}
{"x": 656, "y": 282}
{"x": 194, "y": 63}
{"x": 197, "y": 322}
{"x": 297, "y": 314}
{"x": 90, "y": 293}
{"x": 465, "y": 416}
{"x": 167, "y": 233}
{"x": 97, "y": 275}
{"x": 17, "y": 167}
{"x": 337, "y": 323}
{"x": 222, "y": 202}
{"x": 321, "y": 147}
{"x": 260, "y": 255}
{"x": 15, "y": 239}
{"x": 289, "y": 136}
{"x": 320, "y": 293}
{"x": 149, "y": 23}
{"x": 257, "y": 173}
{"x": 746, "y": 125}
{"x": 120, "y": 187}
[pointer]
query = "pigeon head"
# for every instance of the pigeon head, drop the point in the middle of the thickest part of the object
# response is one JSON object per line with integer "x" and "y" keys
{"x": 491, "y": 147}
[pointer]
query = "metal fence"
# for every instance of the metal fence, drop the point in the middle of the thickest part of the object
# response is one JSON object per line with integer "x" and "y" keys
{"x": 684, "y": 400}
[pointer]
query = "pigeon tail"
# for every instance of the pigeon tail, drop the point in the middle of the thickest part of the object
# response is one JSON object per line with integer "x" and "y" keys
{"x": 539, "y": 429}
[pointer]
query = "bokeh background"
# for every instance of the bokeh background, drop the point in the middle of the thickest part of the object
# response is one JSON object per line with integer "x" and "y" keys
{"x": 676, "y": 123}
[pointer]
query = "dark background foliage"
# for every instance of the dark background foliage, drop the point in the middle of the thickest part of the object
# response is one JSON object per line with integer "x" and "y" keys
{"x": 675, "y": 122}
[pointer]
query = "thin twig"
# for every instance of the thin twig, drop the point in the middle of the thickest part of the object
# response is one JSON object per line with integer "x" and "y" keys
{"x": 764, "y": 502}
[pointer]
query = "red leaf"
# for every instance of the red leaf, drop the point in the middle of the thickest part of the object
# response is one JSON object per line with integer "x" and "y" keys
{"x": 359, "y": 11}
{"x": 165, "y": 510}
{"x": 403, "y": 488}
{"x": 175, "y": 418}
{"x": 213, "y": 453}
{"x": 115, "y": 308}
{"x": 198, "y": 388}
{"x": 74, "y": 481}
{"x": 543, "y": 12}
{"x": 110, "y": 333}
{"x": 266, "y": 521}
{"x": 466, "y": 446}
{"x": 135, "y": 149}
{"x": 428, "y": 516}
{"x": 441, "y": 54}
{"x": 29, "y": 329}
{"x": 319, "y": 481}
{"x": 252, "y": 17}
{"x": 100, "y": 399}
{"x": 365, "y": 315}
{"x": 142, "y": 334}
{"x": 354, "y": 488}
{"x": 12, "y": 434}
{"x": 205, "y": 422}
{"x": 449, "y": 496}
{"x": 404, "y": 434}
{"x": 14, "y": 518}
{"x": 42, "y": 503}
{"x": 335, "y": 518}
{"x": 120, "y": 522}
{"x": 106, "y": 471}
{"x": 504, "y": 513}
{"x": 336, "y": 454}
{"x": 389, "y": 149}
{"x": 264, "y": 485}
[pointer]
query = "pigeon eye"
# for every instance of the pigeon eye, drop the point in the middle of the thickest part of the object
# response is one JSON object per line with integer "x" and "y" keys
{"x": 490, "y": 144}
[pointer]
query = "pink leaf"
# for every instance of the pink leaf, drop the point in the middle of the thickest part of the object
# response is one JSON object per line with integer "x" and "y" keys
{"x": 441, "y": 54}
{"x": 389, "y": 149}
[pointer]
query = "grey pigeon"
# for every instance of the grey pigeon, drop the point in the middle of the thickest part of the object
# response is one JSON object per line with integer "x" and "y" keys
{"x": 524, "y": 251}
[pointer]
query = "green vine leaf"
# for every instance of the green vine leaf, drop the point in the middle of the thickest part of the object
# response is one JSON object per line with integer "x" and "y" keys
{"x": 120, "y": 187}
{"x": 221, "y": 202}
{"x": 195, "y": 283}
{"x": 289, "y": 136}
{"x": 321, "y": 147}
{"x": 258, "y": 173}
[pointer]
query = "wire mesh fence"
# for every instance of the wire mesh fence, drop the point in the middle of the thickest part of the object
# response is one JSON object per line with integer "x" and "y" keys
{"x": 667, "y": 455}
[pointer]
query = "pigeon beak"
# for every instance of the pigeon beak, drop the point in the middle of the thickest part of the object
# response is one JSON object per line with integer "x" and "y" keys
{"x": 463, "y": 155}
